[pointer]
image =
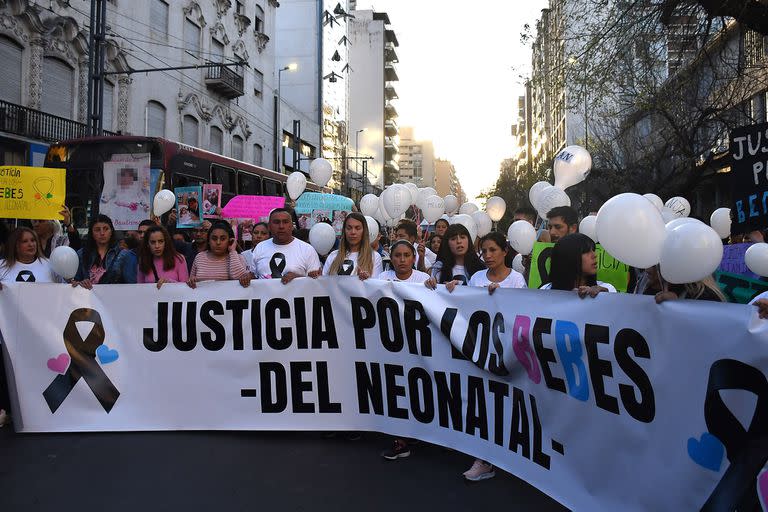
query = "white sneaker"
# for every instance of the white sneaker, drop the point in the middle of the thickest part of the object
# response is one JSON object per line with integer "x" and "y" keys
{"x": 4, "y": 418}
{"x": 480, "y": 470}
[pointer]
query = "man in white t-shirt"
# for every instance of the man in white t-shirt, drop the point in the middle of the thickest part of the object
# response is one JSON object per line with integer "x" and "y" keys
{"x": 283, "y": 256}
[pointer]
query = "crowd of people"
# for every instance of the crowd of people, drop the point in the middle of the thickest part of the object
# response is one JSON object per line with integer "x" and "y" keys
{"x": 158, "y": 253}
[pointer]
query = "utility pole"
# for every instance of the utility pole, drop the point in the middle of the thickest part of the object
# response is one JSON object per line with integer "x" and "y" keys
{"x": 96, "y": 42}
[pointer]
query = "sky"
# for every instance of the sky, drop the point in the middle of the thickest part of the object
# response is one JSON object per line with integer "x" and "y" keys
{"x": 459, "y": 76}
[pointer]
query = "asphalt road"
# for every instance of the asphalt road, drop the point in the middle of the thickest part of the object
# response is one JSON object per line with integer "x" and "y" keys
{"x": 248, "y": 471}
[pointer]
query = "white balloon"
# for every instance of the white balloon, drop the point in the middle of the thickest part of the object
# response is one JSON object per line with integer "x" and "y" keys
{"x": 550, "y": 198}
{"x": 691, "y": 252}
{"x": 414, "y": 190}
{"x": 536, "y": 189}
{"x": 296, "y": 184}
{"x": 397, "y": 199}
{"x": 373, "y": 228}
{"x": 424, "y": 194}
{"x": 322, "y": 236}
{"x": 721, "y": 222}
{"x": 631, "y": 229}
{"x": 669, "y": 226}
{"x": 320, "y": 170}
{"x": 163, "y": 202}
{"x": 483, "y": 222}
{"x": 369, "y": 203}
{"x": 433, "y": 208}
{"x": 571, "y": 166}
{"x": 667, "y": 214}
{"x": 381, "y": 213}
{"x": 521, "y": 235}
{"x": 679, "y": 205}
{"x": 588, "y": 226}
{"x": 495, "y": 206}
{"x": 517, "y": 263}
{"x": 656, "y": 200}
{"x": 469, "y": 223}
{"x": 468, "y": 208}
{"x": 451, "y": 203}
{"x": 64, "y": 261}
{"x": 756, "y": 259}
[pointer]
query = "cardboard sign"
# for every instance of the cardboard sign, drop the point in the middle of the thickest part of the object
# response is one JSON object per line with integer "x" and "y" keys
{"x": 749, "y": 177}
{"x": 251, "y": 207}
{"x": 310, "y": 201}
{"x": 733, "y": 260}
{"x": 189, "y": 207}
{"x": 609, "y": 269}
{"x": 211, "y": 200}
{"x": 32, "y": 192}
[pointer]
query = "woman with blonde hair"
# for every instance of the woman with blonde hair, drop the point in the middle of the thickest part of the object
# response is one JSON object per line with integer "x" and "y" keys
{"x": 706, "y": 289}
{"x": 354, "y": 255}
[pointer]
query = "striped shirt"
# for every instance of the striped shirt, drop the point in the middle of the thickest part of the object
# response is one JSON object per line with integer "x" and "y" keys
{"x": 207, "y": 268}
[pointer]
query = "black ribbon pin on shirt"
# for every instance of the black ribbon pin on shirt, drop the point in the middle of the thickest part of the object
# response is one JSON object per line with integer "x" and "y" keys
{"x": 82, "y": 353}
{"x": 277, "y": 265}
{"x": 346, "y": 268}
{"x": 747, "y": 450}
{"x": 25, "y": 276}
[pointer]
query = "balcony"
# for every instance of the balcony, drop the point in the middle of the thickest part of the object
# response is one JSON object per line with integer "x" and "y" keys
{"x": 35, "y": 124}
{"x": 390, "y": 37}
{"x": 390, "y": 92}
{"x": 390, "y": 74}
{"x": 391, "y": 166}
{"x": 390, "y": 112}
{"x": 390, "y": 55}
{"x": 390, "y": 128}
{"x": 226, "y": 81}
{"x": 392, "y": 144}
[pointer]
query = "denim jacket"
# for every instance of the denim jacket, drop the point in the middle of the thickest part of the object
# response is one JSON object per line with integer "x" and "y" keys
{"x": 121, "y": 266}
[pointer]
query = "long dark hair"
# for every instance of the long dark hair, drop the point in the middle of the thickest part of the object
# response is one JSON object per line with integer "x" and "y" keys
{"x": 565, "y": 269}
{"x": 90, "y": 243}
{"x": 498, "y": 239}
{"x": 472, "y": 263}
{"x": 223, "y": 225}
{"x": 146, "y": 258}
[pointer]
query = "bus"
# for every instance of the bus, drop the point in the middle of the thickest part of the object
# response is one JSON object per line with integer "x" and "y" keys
{"x": 173, "y": 165}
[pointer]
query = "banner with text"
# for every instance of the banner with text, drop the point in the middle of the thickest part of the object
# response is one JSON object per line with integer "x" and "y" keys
{"x": 749, "y": 177}
{"x": 32, "y": 192}
{"x": 612, "y": 403}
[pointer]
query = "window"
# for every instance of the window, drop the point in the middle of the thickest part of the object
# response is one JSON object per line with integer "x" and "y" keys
{"x": 158, "y": 19}
{"x": 191, "y": 37}
{"x": 258, "y": 21}
{"x": 217, "y": 140}
{"x": 272, "y": 188}
{"x": 10, "y": 78}
{"x": 226, "y": 177}
{"x": 58, "y": 87}
{"x": 190, "y": 129}
{"x": 240, "y": 8}
{"x": 237, "y": 147}
{"x": 258, "y": 153}
{"x": 249, "y": 184}
{"x": 155, "y": 119}
{"x": 106, "y": 113}
{"x": 217, "y": 51}
{"x": 258, "y": 83}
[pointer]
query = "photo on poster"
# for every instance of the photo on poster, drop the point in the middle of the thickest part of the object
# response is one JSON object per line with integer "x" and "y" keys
{"x": 245, "y": 229}
{"x": 304, "y": 219}
{"x": 189, "y": 208}
{"x": 211, "y": 200}
{"x": 125, "y": 197}
{"x": 339, "y": 216}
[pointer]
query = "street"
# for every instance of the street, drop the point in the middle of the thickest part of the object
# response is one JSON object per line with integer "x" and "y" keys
{"x": 232, "y": 471}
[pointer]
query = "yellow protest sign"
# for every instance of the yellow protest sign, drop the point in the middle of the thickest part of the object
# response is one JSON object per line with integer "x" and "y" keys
{"x": 32, "y": 192}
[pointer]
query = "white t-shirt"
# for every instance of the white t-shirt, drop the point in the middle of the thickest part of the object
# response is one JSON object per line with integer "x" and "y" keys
{"x": 271, "y": 260}
{"x": 458, "y": 273}
{"x": 39, "y": 271}
{"x": 417, "y": 276}
{"x": 514, "y": 280}
{"x": 607, "y": 286}
{"x": 349, "y": 267}
{"x": 763, "y": 295}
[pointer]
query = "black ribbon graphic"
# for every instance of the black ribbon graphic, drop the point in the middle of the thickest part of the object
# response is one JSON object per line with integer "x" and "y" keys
{"x": 346, "y": 268}
{"x": 82, "y": 353}
{"x": 461, "y": 278}
{"x": 747, "y": 450}
{"x": 277, "y": 265}
{"x": 25, "y": 276}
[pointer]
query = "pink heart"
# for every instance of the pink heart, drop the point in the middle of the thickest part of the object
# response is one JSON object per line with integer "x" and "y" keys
{"x": 762, "y": 488}
{"x": 59, "y": 364}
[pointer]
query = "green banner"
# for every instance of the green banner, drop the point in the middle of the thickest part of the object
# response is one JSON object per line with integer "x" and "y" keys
{"x": 609, "y": 269}
{"x": 738, "y": 288}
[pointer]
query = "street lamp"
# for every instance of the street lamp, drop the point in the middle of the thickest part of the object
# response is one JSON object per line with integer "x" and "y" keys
{"x": 278, "y": 128}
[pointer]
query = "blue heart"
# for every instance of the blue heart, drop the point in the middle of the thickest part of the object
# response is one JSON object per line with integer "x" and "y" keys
{"x": 106, "y": 355}
{"x": 707, "y": 452}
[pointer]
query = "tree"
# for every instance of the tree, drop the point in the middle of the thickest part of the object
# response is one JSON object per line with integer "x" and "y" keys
{"x": 512, "y": 185}
{"x": 750, "y": 13}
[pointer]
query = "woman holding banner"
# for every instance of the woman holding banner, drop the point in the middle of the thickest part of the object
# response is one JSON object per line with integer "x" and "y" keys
{"x": 354, "y": 256}
{"x": 158, "y": 260}
{"x": 574, "y": 267}
{"x": 220, "y": 262}
{"x": 102, "y": 261}
{"x": 24, "y": 261}
{"x": 403, "y": 256}
{"x": 706, "y": 289}
{"x": 457, "y": 260}
{"x": 494, "y": 249}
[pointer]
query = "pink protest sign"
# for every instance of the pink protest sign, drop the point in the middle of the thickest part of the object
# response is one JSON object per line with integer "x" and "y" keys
{"x": 251, "y": 207}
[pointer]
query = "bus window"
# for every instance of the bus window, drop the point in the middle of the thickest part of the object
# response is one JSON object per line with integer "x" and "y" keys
{"x": 248, "y": 184}
{"x": 185, "y": 180}
{"x": 227, "y": 178}
{"x": 83, "y": 192}
{"x": 272, "y": 188}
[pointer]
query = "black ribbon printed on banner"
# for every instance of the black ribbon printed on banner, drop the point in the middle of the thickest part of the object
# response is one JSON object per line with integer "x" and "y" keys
{"x": 82, "y": 353}
{"x": 747, "y": 450}
{"x": 277, "y": 265}
{"x": 346, "y": 268}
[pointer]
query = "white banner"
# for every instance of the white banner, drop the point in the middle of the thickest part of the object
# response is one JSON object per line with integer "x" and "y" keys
{"x": 613, "y": 403}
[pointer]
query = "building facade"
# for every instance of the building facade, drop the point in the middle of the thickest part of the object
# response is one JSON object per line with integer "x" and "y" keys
{"x": 225, "y": 109}
{"x": 446, "y": 181}
{"x": 417, "y": 159}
